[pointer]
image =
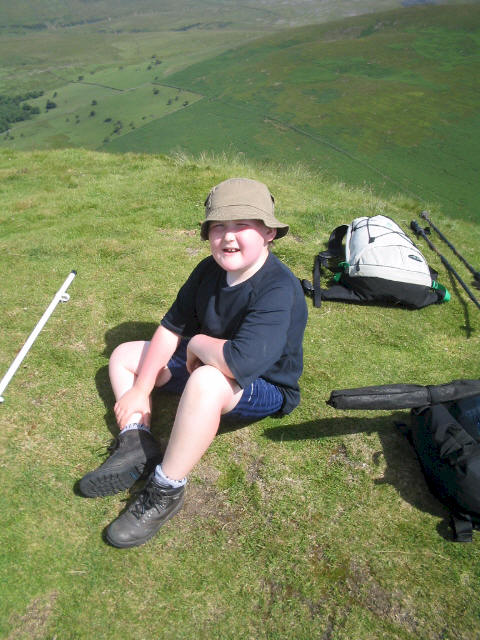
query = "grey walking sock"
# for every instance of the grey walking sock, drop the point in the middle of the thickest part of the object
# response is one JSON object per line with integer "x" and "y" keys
{"x": 135, "y": 425}
{"x": 165, "y": 481}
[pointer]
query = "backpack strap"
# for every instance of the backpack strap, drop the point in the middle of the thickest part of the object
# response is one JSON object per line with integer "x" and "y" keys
{"x": 454, "y": 443}
{"x": 334, "y": 251}
{"x": 462, "y": 527}
{"x": 317, "y": 289}
{"x": 335, "y": 242}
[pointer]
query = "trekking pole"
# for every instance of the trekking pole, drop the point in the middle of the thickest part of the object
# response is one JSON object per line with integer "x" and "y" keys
{"x": 476, "y": 274}
{"x": 60, "y": 296}
{"x": 417, "y": 229}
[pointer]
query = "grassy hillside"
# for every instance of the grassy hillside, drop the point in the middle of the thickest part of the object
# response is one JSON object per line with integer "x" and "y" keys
{"x": 318, "y": 525}
{"x": 71, "y": 37}
{"x": 148, "y": 14}
{"x": 385, "y": 100}
{"x": 388, "y": 100}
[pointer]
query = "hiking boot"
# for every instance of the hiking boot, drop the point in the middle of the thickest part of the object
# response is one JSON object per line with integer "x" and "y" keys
{"x": 141, "y": 520}
{"x": 134, "y": 454}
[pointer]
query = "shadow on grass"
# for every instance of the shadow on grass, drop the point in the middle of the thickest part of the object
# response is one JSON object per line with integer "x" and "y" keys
{"x": 467, "y": 327}
{"x": 402, "y": 469}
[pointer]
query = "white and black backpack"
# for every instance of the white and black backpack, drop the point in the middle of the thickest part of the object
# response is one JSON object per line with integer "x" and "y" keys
{"x": 379, "y": 263}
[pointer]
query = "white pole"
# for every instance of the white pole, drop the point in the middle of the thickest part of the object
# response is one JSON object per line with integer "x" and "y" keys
{"x": 60, "y": 296}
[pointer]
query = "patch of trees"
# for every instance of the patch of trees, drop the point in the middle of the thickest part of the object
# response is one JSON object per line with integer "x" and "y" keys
{"x": 16, "y": 109}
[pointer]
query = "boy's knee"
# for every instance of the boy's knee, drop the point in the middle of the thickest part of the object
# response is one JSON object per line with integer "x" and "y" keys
{"x": 121, "y": 355}
{"x": 116, "y": 354}
{"x": 209, "y": 379}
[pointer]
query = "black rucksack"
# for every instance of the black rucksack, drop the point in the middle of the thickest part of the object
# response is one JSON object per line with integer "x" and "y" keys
{"x": 445, "y": 433}
{"x": 378, "y": 263}
{"x": 446, "y": 439}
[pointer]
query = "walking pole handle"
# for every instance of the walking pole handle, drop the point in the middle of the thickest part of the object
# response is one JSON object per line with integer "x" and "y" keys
{"x": 60, "y": 296}
{"x": 419, "y": 231}
{"x": 416, "y": 228}
{"x": 476, "y": 274}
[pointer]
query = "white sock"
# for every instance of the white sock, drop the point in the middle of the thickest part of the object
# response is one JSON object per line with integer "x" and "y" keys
{"x": 135, "y": 425}
{"x": 165, "y": 481}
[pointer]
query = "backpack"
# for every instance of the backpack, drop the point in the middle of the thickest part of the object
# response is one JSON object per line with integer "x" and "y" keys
{"x": 379, "y": 263}
{"x": 445, "y": 433}
{"x": 446, "y": 439}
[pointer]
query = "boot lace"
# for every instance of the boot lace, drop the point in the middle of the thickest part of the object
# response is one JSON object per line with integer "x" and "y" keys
{"x": 149, "y": 497}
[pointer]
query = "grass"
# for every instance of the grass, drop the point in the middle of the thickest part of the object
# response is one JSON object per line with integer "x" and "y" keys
{"x": 315, "y": 525}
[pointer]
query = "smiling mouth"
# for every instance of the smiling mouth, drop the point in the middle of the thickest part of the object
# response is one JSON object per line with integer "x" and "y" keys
{"x": 230, "y": 250}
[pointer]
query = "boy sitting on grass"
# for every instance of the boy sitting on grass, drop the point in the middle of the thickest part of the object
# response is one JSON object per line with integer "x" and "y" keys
{"x": 231, "y": 344}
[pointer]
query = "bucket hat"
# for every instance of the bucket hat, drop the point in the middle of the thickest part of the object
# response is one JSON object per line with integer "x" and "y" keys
{"x": 241, "y": 199}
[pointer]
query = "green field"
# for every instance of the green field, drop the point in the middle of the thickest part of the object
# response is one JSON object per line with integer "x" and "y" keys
{"x": 317, "y": 525}
{"x": 388, "y": 101}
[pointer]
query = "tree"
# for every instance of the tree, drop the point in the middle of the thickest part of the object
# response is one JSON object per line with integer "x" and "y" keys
{"x": 15, "y": 109}
{"x": 50, "y": 105}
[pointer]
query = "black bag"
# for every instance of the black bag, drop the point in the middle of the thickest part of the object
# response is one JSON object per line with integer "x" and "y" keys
{"x": 446, "y": 438}
{"x": 403, "y": 396}
{"x": 445, "y": 433}
{"x": 379, "y": 263}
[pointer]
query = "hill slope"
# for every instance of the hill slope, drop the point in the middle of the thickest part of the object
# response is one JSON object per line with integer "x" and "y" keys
{"x": 387, "y": 100}
{"x": 315, "y": 525}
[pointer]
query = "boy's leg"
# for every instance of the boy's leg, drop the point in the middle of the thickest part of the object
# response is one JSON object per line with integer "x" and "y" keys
{"x": 135, "y": 451}
{"x": 208, "y": 394}
{"x": 123, "y": 367}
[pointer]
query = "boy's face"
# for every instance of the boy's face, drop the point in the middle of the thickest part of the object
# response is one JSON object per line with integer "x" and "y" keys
{"x": 240, "y": 246}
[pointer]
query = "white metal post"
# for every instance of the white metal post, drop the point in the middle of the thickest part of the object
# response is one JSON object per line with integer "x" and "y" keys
{"x": 60, "y": 296}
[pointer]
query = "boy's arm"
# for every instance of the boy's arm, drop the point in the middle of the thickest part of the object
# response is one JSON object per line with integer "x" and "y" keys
{"x": 160, "y": 350}
{"x": 203, "y": 349}
{"x": 137, "y": 399}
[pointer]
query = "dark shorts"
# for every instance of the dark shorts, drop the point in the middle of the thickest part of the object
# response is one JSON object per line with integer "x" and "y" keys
{"x": 259, "y": 400}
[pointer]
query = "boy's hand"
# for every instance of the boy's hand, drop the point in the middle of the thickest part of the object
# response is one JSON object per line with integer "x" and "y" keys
{"x": 133, "y": 401}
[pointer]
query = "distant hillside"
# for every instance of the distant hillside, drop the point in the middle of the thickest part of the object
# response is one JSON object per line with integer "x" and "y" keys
{"x": 182, "y": 14}
{"x": 388, "y": 101}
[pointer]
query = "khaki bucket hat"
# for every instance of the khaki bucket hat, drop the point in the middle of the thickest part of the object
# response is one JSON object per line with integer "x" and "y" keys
{"x": 241, "y": 199}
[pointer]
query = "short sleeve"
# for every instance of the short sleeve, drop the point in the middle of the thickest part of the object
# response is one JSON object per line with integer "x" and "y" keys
{"x": 182, "y": 317}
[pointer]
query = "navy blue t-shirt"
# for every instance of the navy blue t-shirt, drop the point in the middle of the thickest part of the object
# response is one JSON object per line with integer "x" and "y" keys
{"x": 263, "y": 320}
